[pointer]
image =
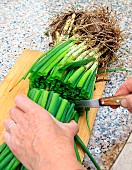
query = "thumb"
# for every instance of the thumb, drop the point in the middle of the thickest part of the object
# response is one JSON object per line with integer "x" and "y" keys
{"x": 127, "y": 103}
{"x": 73, "y": 126}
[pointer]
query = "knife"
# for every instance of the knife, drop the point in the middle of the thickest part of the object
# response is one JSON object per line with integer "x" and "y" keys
{"x": 95, "y": 103}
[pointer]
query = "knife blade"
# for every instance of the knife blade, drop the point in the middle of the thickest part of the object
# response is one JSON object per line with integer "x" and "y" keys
{"x": 95, "y": 103}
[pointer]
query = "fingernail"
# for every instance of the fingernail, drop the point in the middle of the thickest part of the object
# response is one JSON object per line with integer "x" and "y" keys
{"x": 124, "y": 103}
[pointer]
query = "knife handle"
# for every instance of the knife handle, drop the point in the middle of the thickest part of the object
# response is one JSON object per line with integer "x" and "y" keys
{"x": 111, "y": 101}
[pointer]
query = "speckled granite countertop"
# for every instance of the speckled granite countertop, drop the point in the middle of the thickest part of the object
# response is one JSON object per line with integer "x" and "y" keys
{"x": 22, "y": 23}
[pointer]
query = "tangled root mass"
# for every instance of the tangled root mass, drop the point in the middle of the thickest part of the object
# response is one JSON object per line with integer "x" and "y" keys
{"x": 97, "y": 26}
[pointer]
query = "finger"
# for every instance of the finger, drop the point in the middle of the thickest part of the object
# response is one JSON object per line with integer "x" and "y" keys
{"x": 16, "y": 114}
{"x": 73, "y": 127}
{"x": 9, "y": 124}
{"x": 127, "y": 102}
{"x": 7, "y": 138}
{"x": 24, "y": 103}
{"x": 125, "y": 88}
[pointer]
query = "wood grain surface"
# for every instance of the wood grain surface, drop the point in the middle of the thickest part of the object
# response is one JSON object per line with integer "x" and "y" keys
{"x": 22, "y": 64}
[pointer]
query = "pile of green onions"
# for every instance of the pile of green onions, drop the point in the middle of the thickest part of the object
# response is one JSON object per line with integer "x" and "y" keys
{"x": 63, "y": 111}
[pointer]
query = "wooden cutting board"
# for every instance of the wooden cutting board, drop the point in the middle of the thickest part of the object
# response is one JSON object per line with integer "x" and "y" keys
{"x": 23, "y": 63}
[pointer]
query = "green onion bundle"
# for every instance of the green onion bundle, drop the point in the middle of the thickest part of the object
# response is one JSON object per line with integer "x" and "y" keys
{"x": 61, "y": 109}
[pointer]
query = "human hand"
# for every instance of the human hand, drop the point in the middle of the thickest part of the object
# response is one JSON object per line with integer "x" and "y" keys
{"x": 37, "y": 139}
{"x": 126, "y": 88}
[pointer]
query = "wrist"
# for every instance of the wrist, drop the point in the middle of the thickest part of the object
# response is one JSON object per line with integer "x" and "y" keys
{"x": 63, "y": 160}
{"x": 72, "y": 164}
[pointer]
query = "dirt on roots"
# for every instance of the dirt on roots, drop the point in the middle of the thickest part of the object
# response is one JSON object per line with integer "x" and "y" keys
{"x": 97, "y": 27}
